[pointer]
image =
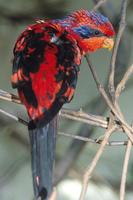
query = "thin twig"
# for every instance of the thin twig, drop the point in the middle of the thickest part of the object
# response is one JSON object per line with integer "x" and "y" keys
{"x": 14, "y": 117}
{"x": 93, "y": 141}
{"x": 94, "y": 120}
{"x": 9, "y": 97}
{"x": 116, "y": 110}
{"x": 107, "y": 100}
{"x": 118, "y": 91}
{"x": 91, "y": 167}
{"x": 125, "y": 170}
{"x": 85, "y": 139}
{"x": 99, "y": 4}
{"x": 93, "y": 71}
{"x": 69, "y": 114}
{"x": 122, "y": 83}
{"x": 14, "y": 98}
{"x": 81, "y": 116}
{"x": 115, "y": 50}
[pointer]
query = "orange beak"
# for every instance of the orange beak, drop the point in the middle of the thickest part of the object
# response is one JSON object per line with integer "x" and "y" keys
{"x": 108, "y": 43}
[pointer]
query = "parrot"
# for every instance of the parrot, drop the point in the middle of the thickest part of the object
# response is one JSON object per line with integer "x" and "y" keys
{"x": 46, "y": 61}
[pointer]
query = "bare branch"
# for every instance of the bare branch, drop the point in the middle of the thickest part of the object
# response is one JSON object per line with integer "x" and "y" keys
{"x": 107, "y": 100}
{"x": 99, "y": 4}
{"x": 122, "y": 83}
{"x": 112, "y": 123}
{"x": 94, "y": 141}
{"x": 117, "y": 42}
{"x": 69, "y": 114}
{"x": 125, "y": 169}
{"x": 9, "y": 97}
{"x": 81, "y": 116}
{"x": 13, "y": 98}
{"x": 91, "y": 167}
{"x": 14, "y": 117}
{"x": 81, "y": 138}
{"x": 118, "y": 91}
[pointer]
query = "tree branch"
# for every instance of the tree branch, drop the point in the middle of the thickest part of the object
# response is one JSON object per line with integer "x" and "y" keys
{"x": 9, "y": 97}
{"x": 122, "y": 83}
{"x": 125, "y": 169}
{"x": 76, "y": 137}
{"x": 115, "y": 50}
{"x": 81, "y": 116}
{"x": 69, "y": 114}
{"x": 107, "y": 100}
{"x": 91, "y": 167}
{"x": 99, "y": 4}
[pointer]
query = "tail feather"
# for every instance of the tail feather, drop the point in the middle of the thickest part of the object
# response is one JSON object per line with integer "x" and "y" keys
{"x": 42, "y": 154}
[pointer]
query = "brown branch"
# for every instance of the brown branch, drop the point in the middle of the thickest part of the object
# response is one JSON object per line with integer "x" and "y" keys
{"x": 93, "y": 141}
{"x": 120, "y": 116}
{"x": 14, "y": 117}
{"x": 94, "y": 119}
{"x": 69, "y": 114}
{"x": 115, "y": 50}
{"x": 76, "y": 137}
{"x": 76, "y": 146}
{"x": 120, "y": 87}
{"x": 118, "y": 91}
{"x": 125, "y": 170}
{"x": 107, "y": 100}
{"x": 99, "y": 4}
{"x": 81, "y": 116}
{"x": 13, "y": 98}
{"x": 122, "y": 83}
{"x": 91, "y": 167}
{"x": 9, "y": 97}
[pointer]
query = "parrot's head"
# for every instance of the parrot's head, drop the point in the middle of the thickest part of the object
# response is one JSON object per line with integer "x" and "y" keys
{"x": 92, "y": 30}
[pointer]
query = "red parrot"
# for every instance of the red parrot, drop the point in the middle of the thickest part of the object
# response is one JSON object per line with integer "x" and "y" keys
{"x": 46, "y": 63}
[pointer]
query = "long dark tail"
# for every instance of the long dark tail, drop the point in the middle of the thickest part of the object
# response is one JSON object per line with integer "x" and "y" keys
{"x": 42, "y": 155}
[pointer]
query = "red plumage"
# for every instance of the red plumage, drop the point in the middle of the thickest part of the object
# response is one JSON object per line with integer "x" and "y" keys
{"x": 46, "y": 63}
{"x": 50, "y": 79}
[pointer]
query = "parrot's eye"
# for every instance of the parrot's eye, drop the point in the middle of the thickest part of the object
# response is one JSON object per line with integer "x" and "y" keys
{"x": 97, "y": 32}
{"x": 87, "y": 32}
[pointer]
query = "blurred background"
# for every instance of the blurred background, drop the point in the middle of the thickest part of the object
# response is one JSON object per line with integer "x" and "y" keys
{"x": 72, "y": 156}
